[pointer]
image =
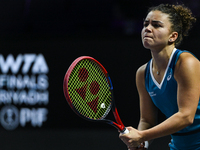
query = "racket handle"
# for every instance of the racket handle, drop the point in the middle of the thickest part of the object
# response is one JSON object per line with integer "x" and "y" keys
{"x": 125, "y": 131}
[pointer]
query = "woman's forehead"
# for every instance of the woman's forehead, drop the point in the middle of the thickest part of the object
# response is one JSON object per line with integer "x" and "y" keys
{"x": 157, "y": 16}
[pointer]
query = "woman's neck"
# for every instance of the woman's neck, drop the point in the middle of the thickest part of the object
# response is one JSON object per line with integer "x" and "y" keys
{"x": 161, "y": 58}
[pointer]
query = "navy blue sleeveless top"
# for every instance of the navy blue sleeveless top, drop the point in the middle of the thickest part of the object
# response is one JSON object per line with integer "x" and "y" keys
{"x": 164, "y": 95}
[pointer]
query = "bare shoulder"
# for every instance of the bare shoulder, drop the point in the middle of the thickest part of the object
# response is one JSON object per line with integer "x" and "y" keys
{"x": 140, "y": 74}
{"x": 187, "y": 64}
{"x": 141, "y": 70}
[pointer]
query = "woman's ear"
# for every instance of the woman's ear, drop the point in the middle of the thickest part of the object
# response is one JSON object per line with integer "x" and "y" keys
{"x": 173, "y": 36}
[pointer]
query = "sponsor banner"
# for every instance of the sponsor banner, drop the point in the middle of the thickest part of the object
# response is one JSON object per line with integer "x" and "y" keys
{"x": 24, "y": 94}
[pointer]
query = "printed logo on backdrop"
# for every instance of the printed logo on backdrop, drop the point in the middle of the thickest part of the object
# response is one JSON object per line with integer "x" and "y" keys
{"x": 24, "y": 94}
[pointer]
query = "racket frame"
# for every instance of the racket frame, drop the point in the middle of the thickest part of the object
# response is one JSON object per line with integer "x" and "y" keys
{"x": 119, "y": 125}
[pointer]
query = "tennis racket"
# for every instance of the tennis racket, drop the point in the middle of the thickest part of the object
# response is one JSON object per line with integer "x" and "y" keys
{"x": 89, "y": 92}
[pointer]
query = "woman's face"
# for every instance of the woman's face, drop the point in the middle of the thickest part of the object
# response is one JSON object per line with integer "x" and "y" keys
{"x": 156, "y": 31}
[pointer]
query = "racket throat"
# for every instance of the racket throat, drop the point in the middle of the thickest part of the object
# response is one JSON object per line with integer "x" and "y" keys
{"x": 119, "y": 125}
{"x": 121, "y": 128}
{"x": 117, "y": 118}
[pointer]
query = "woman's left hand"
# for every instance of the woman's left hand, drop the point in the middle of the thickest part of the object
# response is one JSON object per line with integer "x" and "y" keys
{"x": 133, "y": 139}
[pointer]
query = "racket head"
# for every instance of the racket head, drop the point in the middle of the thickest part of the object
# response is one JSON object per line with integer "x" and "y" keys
{"x": 88, "y": 88}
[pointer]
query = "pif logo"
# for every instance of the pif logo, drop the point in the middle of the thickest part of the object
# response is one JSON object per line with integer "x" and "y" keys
{"x": 11, "y": 117}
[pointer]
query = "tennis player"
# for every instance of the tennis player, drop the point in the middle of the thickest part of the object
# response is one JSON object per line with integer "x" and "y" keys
{"x": 170, "y": 81}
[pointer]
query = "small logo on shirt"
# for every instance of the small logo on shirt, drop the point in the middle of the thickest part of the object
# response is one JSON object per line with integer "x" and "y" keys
{"x": 152, "y": 94}
{"x": 169, "y": 76}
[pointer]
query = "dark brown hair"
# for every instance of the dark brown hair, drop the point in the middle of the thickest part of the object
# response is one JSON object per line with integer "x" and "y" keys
{"x": 180, "y": 17}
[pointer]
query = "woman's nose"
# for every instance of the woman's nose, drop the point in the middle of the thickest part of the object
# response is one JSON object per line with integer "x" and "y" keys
{"x": 148, "y": 28}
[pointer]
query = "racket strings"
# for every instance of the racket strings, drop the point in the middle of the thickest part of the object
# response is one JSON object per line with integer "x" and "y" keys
{"x": 89, "y": 90}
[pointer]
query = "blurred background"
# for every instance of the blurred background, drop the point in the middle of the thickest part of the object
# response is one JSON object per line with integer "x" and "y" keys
{"x": 39, "y": 39}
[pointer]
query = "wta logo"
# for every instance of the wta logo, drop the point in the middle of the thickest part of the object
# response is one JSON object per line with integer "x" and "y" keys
{"x": 27, "y": 62}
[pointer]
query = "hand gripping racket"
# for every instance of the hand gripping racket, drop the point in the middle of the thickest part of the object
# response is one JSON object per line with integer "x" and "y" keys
{"x": 89, "y": 92}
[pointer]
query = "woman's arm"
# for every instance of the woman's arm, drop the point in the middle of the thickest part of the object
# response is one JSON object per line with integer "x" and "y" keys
{"x": 148, "y": 111}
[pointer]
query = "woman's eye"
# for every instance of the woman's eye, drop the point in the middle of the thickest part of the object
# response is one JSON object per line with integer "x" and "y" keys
{"x": 156, "y": 25}
{"x": 146, "y": 24}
